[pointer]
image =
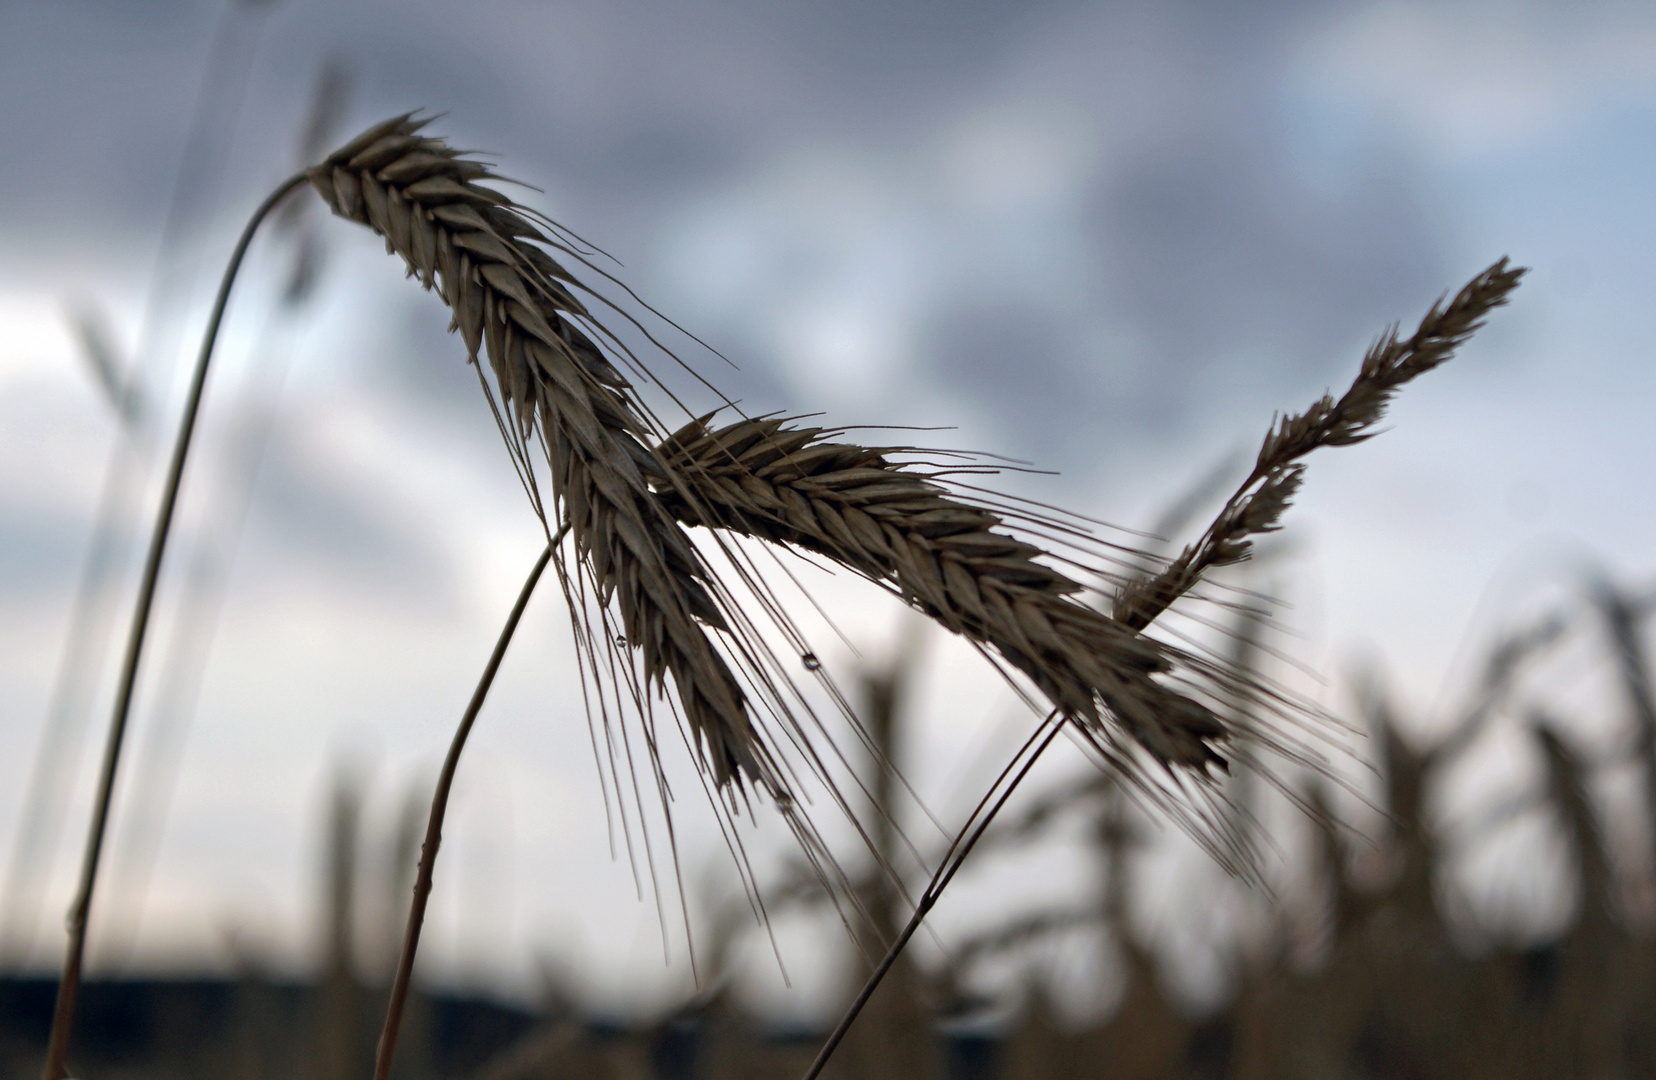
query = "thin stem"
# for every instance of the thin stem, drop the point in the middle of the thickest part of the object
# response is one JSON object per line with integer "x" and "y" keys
{"x": 946, "y": 870}
{"x": 434, "y": 823}
{"x": 69, "y": 985}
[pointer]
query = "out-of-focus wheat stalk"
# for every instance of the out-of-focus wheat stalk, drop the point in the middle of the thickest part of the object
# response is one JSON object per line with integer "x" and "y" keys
{"x": 147, "y": 377}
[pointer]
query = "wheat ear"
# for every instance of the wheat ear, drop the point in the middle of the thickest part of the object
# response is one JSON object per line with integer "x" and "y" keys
{"x": 897, "y": 525}
{"x": 1258, "y": 503}
{"x": 513, "y": 301}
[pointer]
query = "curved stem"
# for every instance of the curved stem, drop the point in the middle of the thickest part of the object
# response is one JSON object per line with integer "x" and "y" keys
{"x": 434, "y": 824}
{"x": 69, "y": 985}
{"x": 963, "y": 844}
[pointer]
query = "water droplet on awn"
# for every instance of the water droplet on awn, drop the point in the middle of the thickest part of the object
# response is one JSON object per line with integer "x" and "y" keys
{"x": 811, "y": 662}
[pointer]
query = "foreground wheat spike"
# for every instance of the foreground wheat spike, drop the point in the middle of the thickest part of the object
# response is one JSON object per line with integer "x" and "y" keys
{"x": 1259, "y": 501}
{"x": 943, "y": 555}
{"x": 513, "y": 300}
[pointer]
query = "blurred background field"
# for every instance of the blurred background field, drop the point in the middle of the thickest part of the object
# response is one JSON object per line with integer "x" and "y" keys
{"x": 1108, "y": 239}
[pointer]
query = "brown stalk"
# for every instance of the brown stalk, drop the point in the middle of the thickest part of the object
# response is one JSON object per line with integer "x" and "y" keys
{"x": 1569, "y": 789}
{"x": 980, "y": 820}
{"x": 69, "y": 984}
{"x": 434, "y": 823}
{"x": 1621, "y": 619}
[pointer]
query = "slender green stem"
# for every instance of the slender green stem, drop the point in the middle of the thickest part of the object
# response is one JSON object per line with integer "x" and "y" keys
{"x": 69, "y": 985}
{"x": 434, "y": 824}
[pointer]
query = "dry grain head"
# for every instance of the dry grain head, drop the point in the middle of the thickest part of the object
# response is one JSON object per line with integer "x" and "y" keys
{"x": 1258, "y": 503}
{"x": 899, "y": 526}
{"x": 514, "y": 302}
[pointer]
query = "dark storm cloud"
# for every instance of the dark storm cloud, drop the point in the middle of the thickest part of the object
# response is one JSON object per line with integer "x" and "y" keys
{"x": 1217, "y": 251}
{"x": 1009, "y": 353}
{"x": 1217, "y": 257}
{"x": 99, "y": 97}
{"x": 325, "y": 521}
{"x": 1208, "y": 243}
{"x": 423, "y": 364}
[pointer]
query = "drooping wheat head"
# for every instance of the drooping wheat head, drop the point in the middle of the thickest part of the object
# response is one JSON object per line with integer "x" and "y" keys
{"x": 899, "y": 526}
{"x": 515, "y": 303}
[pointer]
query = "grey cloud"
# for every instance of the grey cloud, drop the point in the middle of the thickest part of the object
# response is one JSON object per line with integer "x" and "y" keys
{"x": 1212, "y": 249}
{"x": 418, "y": 361}
{"x": 339, "y": 527}
{"x": 1207, "y": 242}
{"x": 1019, "y": 358}
{"x": 1215, "y": 250}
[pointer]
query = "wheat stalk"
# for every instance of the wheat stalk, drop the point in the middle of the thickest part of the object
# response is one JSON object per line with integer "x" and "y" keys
{"x": 63, "y": 1012}
{"x": 942, "y": 554}
{"x": 434, "y": 824}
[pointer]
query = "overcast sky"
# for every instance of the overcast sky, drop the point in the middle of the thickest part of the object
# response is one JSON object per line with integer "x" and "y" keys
{"x": 1110, "y": 239}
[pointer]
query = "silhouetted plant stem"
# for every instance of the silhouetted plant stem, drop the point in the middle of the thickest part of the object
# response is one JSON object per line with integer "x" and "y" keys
{"x": 434, "y": 823}
{"x": 69, "y": 985}
{"x": 964, "y": 842}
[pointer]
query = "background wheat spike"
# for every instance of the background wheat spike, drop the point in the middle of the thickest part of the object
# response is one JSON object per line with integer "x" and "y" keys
{"x": 513, "y": 301}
